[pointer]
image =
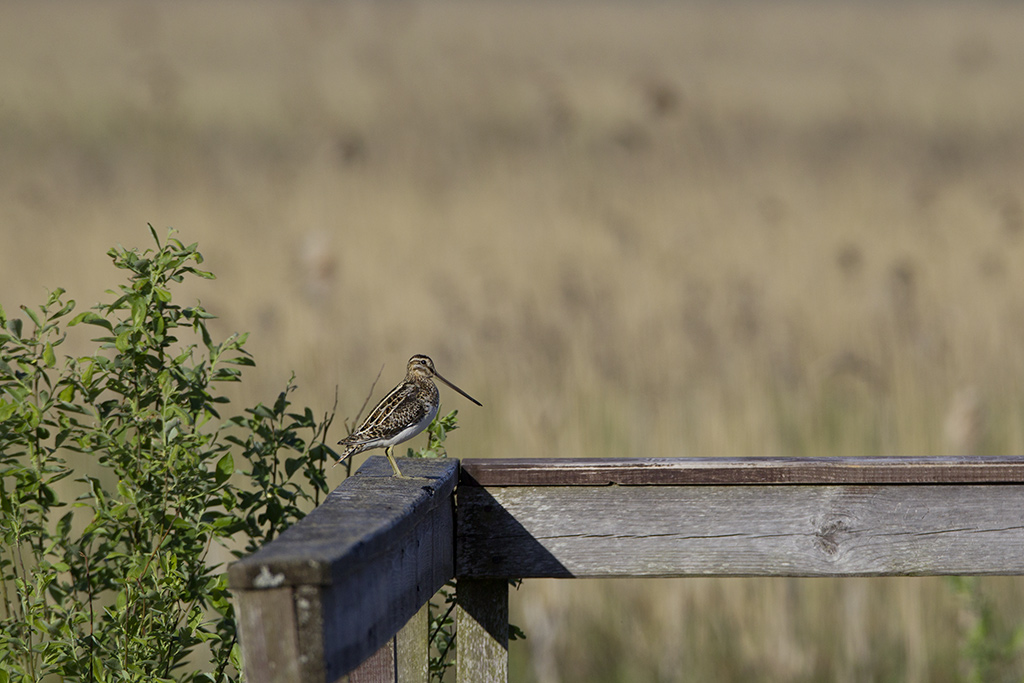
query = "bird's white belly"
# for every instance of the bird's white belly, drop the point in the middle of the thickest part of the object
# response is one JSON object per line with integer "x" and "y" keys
{"x": 411, "y": 430}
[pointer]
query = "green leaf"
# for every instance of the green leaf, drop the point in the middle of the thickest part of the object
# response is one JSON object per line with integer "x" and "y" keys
{"x": 91, "y": 318}
{"x": 225, "y": 468}
{"x": 200, "y": 312}
{"x": 291, "y": 465}
{"x": 68, "y": 307}
{"x": 262, "y": 411}
{"x": 49, "y": 357}
{"x": 5, "y": 501}
{"x": 126, "y": 492}
{"x": 64, "y": 525}
{"x": 32, "y": 314}
{"x": 138, "y": 311}
{"x": 87, "y": 374}
{"x": 123, "y": 343}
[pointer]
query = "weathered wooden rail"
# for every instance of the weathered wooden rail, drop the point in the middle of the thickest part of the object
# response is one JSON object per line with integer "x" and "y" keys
{"x": 343, "y": 592}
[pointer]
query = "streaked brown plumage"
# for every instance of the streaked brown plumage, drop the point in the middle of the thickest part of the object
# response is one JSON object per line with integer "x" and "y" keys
{"x": 403, "y": 413}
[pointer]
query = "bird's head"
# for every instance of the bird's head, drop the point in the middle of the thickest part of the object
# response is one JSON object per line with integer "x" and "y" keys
{"x": 420, "y": 366}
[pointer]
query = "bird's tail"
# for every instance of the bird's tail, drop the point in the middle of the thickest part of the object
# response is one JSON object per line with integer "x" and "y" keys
{"x": 349, "y": 452}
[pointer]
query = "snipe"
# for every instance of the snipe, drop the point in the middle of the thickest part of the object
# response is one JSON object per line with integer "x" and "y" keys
{"x": 406, "y": 411}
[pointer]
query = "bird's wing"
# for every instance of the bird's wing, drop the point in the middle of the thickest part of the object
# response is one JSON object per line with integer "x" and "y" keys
{"x": 394, "y": 412}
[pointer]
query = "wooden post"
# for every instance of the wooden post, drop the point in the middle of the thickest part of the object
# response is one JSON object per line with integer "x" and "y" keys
{"x": 267, "y": 625}
{"x": 405, "y": 658}
{"x": 481, "y": 623}
{"x": 412, "y": 657}
{"x": 379, "y": 668}
{"x": 332, "y": 591}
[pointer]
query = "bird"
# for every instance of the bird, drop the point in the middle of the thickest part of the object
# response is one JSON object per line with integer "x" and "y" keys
{"x": 403, "y": 413}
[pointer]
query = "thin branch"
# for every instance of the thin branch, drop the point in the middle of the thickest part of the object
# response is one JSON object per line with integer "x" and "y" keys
{"x": 92, "y": 615}
{"x": 440, "y": 623}
{"x": 366, "y": 402}
{"x": 349, "y": 428}
{"x": 325, "y": 427}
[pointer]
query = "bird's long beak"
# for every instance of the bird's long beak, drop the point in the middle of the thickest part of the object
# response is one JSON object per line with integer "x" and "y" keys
{"x": 457, "y": 389}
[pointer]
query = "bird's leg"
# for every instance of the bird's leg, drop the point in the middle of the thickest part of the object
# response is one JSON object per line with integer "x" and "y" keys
{"x": 391, "y": 459}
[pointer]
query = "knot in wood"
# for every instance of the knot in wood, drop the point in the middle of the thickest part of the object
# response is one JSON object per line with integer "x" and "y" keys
{"x": 827, "y": 535}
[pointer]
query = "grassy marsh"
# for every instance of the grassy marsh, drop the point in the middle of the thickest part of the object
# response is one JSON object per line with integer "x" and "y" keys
{"x": 662, "y": 229}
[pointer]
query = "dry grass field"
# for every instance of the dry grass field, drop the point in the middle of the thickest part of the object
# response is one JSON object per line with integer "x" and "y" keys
{"x": 629, "y": 229}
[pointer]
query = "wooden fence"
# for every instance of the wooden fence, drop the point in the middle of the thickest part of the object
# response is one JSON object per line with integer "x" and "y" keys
{"x": 343, "y": 592}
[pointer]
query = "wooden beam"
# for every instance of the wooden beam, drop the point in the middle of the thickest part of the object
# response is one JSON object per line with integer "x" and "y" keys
{"x": 481, "y": 622}
{"x": 358, "y": 567}
{"x": 709, "y": 471}
{"x": 751, "y": 530}
{"x": 336, "y": 588}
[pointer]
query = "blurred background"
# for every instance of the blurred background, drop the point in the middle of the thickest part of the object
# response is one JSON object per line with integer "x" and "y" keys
{"x": 629, "y": 229}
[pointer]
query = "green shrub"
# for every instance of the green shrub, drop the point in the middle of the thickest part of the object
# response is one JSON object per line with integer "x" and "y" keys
{"x": 116, "y": 478}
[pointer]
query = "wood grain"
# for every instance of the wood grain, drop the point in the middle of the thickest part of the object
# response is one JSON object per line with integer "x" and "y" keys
{"x": 751, "y": 530}
{"x": 266, "y": 621}
{"x": 378, "y": 668}
{"x": 481, "y": 618}
{"x": 412, "y": 649}
{"x": 402, "y": 659}
{"x": 710, "y": 471}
